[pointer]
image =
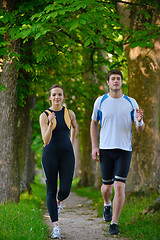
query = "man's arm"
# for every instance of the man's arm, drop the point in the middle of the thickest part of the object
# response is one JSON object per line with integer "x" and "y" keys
{"x": 94, "y": 139}
{"x": 139, "y": 124}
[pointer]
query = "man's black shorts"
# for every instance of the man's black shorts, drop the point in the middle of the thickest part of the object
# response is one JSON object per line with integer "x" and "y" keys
{"x": 114, "y": 165}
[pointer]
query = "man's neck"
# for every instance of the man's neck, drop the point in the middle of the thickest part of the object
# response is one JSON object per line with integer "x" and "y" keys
{"x": 115, "y": 94}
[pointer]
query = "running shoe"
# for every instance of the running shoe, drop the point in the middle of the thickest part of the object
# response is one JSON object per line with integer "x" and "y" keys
{"x": 59, "y": 206}
{"x": 113, "y": 229}
{"x": 107, "y": 214}
{"x": 56, "y": 233}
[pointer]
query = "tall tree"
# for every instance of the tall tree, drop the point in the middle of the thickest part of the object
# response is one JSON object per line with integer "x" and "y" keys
{"x": 86, "y": 176}
{"x": 64, "y": 31}
{"x": 26, "y": 104}
{"x": 9, "y": 167}
{"x": 144, "y": 86}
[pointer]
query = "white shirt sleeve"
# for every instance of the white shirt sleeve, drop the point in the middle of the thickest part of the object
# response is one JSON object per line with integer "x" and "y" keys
{"x": 95, "y": 108}
{"x": 135, "y": 105}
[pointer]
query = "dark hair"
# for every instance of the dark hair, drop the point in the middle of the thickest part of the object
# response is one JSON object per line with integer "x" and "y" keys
{"x": 56, "y": 86}
{"x": 114, "y": 71}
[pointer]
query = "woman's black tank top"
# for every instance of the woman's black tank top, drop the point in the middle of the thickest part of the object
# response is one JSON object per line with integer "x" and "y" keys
{"x": 60, "y": 135}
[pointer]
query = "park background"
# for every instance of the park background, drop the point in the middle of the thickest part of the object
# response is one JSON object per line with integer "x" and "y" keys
{"x": 75, "y": 43}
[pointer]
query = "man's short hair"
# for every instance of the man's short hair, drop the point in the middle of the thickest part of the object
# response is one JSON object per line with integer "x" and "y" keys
{"x": 114, "y": 71}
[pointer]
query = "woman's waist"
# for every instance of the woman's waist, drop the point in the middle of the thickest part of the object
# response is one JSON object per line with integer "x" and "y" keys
{"x": 59, "y": 145}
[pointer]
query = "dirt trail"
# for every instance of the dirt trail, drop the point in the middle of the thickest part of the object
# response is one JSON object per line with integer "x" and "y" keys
{"x": 79, "y": 222}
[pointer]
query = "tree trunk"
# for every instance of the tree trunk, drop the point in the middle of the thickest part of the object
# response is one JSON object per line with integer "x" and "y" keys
{"x": 9, "y": 167}
{"x": 87, "y": 164}
{"x": 86, "y": 173}
{"x": 144, "y": 86}
{"x": 153, "y": 207}
{"x": 25, "y": 124}
{"x": 25, "y": 154}
{"x": 103, "y": 70}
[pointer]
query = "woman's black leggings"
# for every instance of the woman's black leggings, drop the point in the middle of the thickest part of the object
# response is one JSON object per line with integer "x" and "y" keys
{"x": 54, "y": 162}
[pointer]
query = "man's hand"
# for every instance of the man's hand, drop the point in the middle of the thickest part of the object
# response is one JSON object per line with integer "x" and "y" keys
{"x": 95, "y": 154}
{"x": 139, "y": 114}
{"x": 139, "y": 124}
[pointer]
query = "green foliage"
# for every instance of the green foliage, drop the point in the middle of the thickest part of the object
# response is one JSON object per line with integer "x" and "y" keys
{"x": 59, "y": 36}
{"x": 82, "y": 22}
{"x": 25, "y": 219}
{"x": 73, "y": 18}
{"x": 79, "y": 22}
{"x": 2, "y": 87}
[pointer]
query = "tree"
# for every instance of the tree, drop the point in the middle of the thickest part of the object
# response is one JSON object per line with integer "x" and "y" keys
{"x": 144, "y": 86}
{"x": 84, "y": 28}
{"x": 65, "y": 31}
{"x": 86, "y": 164}
{"x": 16, "y": 125}
{"x": 9, "y": 167}
{"x": 26, "y": 103}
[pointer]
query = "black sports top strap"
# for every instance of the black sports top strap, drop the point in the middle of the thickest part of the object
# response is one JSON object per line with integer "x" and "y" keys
{"x": 47, "y": 112}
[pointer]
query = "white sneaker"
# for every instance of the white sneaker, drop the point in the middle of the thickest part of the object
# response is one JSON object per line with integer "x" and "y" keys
{"x": 56, "y": 233}
{"x": 59, "y": 206}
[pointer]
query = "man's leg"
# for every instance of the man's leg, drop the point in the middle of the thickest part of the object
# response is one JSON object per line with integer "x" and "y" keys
{"x": 118, "y": 201}
{"x": 106, "y": 191}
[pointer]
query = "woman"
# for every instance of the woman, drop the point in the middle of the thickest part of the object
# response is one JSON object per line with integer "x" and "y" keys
{"x": 58, "y": 155}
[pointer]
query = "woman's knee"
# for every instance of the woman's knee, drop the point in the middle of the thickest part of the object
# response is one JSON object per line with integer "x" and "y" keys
{"x": 63, "y": 194}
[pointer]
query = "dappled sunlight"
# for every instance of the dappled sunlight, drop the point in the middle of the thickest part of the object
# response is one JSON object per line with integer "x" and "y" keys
{"x": 143, "y": 69}
{"x": 134, "y": 53}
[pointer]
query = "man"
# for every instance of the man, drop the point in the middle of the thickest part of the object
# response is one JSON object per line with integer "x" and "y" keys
{"x": 115, "y": 111}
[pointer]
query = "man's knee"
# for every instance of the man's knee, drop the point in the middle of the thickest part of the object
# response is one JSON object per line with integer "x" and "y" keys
{"x": 119, "y": 187}
{"x": 106, "y": 188}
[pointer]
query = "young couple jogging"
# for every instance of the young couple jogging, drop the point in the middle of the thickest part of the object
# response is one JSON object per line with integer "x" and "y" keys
{"x": 115, "y": 112}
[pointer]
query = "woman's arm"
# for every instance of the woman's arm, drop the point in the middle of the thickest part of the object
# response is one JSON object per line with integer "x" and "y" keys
{"x": 46, "y": 129}
{"x": 73, "y": 126}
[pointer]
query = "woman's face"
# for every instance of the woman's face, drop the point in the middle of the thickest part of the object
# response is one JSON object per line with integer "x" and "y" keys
{"x": 56, "y": 96}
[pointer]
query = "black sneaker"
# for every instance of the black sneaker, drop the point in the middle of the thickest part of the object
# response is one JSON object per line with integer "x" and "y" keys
{"x": 107, "y": 214}
{"x": 113, "y": 229}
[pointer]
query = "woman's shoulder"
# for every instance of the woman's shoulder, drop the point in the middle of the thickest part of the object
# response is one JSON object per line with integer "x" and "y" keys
{"x": 44, "y": 114}
{"x": 71, "y": 113}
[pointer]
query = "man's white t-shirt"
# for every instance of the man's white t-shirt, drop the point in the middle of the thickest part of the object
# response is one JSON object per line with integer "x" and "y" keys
{"x": 116, "y": 116}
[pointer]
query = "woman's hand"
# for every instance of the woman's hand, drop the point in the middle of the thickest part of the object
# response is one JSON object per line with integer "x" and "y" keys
{"x": 51, "y": 117}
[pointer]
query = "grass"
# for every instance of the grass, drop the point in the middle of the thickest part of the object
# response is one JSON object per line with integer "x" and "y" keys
{"x": 133, "y": 224}
{"x": 24, "y": 220}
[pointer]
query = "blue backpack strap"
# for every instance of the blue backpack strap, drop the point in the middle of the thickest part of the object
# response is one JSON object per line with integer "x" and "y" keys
{"x": 132, "y": 112}
{"x": 99, "y": 112}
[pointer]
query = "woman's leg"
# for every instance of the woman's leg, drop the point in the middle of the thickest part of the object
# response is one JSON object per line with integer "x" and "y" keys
{"x": 50, "y": 167}
{"x": 66, "y": 171}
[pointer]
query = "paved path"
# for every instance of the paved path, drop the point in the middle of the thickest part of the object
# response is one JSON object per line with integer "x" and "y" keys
{"x": 78, "y": 221}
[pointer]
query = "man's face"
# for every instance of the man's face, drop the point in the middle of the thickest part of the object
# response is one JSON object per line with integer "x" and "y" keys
{"x": 115, "y": 82}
